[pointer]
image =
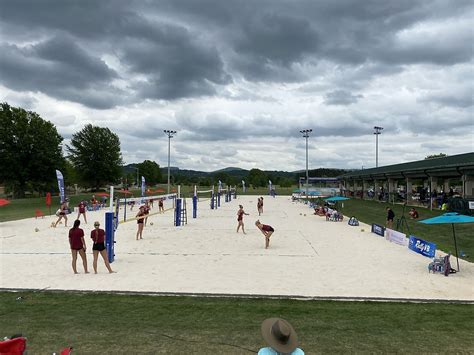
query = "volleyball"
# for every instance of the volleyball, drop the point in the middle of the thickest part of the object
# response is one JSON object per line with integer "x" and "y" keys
{"x": 36, "y": 230}
{"x": 305, "y": 214}
{"x": 151, "y": 223}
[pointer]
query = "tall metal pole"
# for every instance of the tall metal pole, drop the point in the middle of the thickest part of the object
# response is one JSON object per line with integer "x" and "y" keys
{"x": 170, "y": 135}
{"x": 306, "y": 133}
{"x": 377, "y": 131}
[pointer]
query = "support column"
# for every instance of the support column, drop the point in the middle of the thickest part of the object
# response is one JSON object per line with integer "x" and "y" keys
{"x": 392, "y": 189}
{"x": 409, "y": 195}
{"x": 363, "y": 188}
{"x": 468, "y": 186}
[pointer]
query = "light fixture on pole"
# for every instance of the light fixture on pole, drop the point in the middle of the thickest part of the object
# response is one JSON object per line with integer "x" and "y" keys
{"x": 305, "y": 133}
{"x": 170, "y": 135}
{"x": 377, "y": 131}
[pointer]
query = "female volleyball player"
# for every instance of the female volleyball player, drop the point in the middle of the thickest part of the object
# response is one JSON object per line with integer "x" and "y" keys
{"x": 78, "y": 245}
{"x": 266, "y": 230}
{"x": 98, "y": 237}
{"x": 140, "y": 217}
{"x": 240, "y": 218}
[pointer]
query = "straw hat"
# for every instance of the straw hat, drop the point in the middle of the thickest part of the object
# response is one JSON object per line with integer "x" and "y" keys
{"x": 279, "y": 334}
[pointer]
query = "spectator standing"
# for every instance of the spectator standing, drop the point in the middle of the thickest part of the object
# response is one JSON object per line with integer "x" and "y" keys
{"x": 390, "y": 217}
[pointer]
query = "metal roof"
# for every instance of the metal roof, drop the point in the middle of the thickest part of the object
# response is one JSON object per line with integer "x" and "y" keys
{"x": 450, "y": 166}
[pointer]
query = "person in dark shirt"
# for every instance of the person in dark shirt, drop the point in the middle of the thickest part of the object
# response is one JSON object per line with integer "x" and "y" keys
{"x": 78, "y": 245}
{"x": 98, "y": 237}
{"x": 390, "y": 217}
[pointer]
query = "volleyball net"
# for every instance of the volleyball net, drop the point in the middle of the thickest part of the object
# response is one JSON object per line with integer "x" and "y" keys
{"x": 127, "y": 208}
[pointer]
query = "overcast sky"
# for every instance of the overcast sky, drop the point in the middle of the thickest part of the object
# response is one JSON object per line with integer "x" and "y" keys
{"x": 238, "y": 80}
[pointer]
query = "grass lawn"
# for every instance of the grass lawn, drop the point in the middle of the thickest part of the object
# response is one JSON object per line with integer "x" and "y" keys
{"x": 442, "y": 234}
{"x": 133, "y": 324}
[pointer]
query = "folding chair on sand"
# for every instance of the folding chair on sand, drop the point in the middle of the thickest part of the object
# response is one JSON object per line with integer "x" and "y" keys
{"x": 441, "y": 265}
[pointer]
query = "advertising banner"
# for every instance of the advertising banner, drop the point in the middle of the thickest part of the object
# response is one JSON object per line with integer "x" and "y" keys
{"x": 422, "y": 247}
{"x": 396, "y": 237}
{"x": 378, "y": 229}
{"x": 243, "y": 185}
{"x": 143, "y": 186}
{"x": 62, "y": 193}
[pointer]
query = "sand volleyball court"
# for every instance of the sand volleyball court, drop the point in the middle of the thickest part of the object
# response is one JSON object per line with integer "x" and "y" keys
{"x": 308, "y": 257}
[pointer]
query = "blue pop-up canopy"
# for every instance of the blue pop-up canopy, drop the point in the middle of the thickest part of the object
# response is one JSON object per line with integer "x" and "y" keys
{"x": 450, "y": 218}
{"x": 336, "y": 198}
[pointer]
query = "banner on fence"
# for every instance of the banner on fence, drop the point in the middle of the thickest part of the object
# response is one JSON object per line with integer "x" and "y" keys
{"x": 422, "y": 247}
{"x": 378, "y": 229}
{"x": 396, "y": 237}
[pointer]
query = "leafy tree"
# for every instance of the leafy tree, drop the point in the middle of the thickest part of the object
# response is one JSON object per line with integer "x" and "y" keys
{"x": 440, "y": 155}
{"x": 95, "y": 154}
{"x": 151, "y": 171}
{"x": 30, "y": 150}
{"x": 257, "y": 178}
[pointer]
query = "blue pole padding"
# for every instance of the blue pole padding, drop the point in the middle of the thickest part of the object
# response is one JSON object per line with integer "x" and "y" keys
{"x": 125, "y": 209}
{"x": 212, "y": 200}
{"x": 218, "y": 199}
{"x": 178, "y": 212}
{"x": 110, "y": 235}
{"x": 195, "y": 206}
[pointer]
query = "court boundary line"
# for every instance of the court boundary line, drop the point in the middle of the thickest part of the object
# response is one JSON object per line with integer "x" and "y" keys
{"x": 245, "y": 295}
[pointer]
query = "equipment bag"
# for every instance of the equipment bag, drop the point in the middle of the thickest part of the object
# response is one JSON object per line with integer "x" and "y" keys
{"x": 353, "y": 221}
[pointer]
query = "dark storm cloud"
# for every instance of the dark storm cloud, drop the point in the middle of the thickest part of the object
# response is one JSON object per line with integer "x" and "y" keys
{"x": 175, "y": 49}
{"x": 59, "y": 68}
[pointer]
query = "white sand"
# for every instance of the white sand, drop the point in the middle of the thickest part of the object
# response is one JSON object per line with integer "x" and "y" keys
{"x": 308, "y": 256}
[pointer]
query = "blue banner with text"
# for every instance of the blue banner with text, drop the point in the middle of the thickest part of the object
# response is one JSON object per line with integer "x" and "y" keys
{"x": 422, "y": 247}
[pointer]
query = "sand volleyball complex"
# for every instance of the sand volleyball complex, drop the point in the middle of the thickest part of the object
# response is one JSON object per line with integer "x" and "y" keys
{"x": 308, "y": 257}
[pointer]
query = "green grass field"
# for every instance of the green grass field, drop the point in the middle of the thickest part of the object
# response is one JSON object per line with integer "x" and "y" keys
{"x": 135, "y": 324}
{"x": 441, "y": 234}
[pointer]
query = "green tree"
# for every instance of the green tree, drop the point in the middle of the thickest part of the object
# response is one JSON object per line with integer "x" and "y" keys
{"x": 151, "y": 171}
{"x": 30, "y": 151}
{"x": 257, "y": 178}
{"x": 440, "y": 155}
{"x": 95, "y": 154}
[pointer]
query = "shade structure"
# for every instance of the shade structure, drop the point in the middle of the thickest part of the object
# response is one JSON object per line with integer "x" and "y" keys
{"x": 4, "y": 202}
{"x": 450, "y": 218}
{"x": 336, "y": 198}
{"x": 159, "y": 191}
{"x": 124, "y": 192}
{"x": 102, "y": 194}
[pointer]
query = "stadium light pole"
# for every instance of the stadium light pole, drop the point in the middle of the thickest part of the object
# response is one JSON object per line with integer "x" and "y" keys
{"x": 305, "y": 133}
{"x": 377, "y": 131}
{"x": 170, "y": 135}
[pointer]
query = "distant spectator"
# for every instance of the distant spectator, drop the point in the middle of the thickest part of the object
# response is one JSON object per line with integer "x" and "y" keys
{"x": 280, "y": 336}
{"x": 413, "y": 213}
{"x": 390, "y": 217}
{"x": 160, "y": 205}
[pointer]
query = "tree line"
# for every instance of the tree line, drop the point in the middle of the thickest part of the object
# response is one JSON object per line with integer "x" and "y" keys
{"x": 31, "y": 149}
